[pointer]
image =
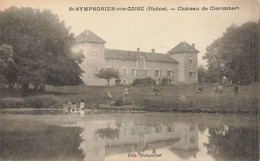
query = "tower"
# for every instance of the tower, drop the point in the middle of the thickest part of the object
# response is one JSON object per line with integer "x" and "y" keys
{"x": 187, "y": 56}
{"x": 93, "y": 48}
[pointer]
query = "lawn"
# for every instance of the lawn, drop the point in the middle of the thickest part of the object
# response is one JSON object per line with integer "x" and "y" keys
{"x": 169, "y": 98}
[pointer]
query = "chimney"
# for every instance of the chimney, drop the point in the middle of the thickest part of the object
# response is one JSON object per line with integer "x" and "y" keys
{"x": 193, "y": 45}
{"x": 138, "y": 49}
{"x": 153, "y": 50}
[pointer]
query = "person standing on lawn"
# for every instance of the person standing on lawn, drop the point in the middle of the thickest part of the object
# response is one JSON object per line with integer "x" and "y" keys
{"x": 125, "y": 94}
{"x": 81, "y": 108}
{"x": 81, "y": 105}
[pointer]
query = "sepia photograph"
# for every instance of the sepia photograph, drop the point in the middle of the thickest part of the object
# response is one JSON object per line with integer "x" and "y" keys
{"x": 129, "y": 80}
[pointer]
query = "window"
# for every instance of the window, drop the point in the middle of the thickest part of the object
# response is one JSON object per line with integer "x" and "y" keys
{"x": 191, "y": 127}
{"x": 191, "y": 74}
{"x": 191, "y": 61}
{"x": 124, "y": 73}
{"x": 169, "y": 129}
{"x": 125, "y": 132}
{"x": 158, "y": 129}
{"x": 169, "y": 73}
{"x": 192, "y": 139}
{"x": 157, "y": 73}
{"x": 95, "y": 53}
{"x": 139, "y": 72}
{"x": 147, "y": 72}
{"x": 147, "y": 130}
{"x": 133, "y": 72}
{"x": 140, "y": 62}
{"x": 95, "y": 69}
{"x": 133, "y": 131}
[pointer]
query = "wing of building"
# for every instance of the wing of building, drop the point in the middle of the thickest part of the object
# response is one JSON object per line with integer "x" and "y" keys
{"x": 177, "y": 65}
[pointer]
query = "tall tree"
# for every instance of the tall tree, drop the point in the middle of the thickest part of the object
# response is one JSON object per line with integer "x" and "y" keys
{"x": 235, "y": 54}
{"x": 232, "y": 144}
{"x": 42, "y": 47}
{"x": 6, "y": 61}
{"x": 107, "y": 74}
{"x": 202, "y": 74}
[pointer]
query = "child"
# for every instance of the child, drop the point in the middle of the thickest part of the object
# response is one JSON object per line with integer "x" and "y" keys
{"x": 68, "y": 105}
{"x": 81, "y": 108}
{"x": 109, "y": 95}
{"x": 81, "y": 105}
{"x": 73, "y": 107}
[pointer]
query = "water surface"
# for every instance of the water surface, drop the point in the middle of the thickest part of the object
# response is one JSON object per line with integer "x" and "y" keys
{"x": 126, "y": 137}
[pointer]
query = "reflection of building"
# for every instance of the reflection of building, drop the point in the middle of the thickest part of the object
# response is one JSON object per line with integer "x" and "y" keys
{"x": 181, "y": 139}
{"x": 178, "y": 65}
{"x": 188, "y": 144}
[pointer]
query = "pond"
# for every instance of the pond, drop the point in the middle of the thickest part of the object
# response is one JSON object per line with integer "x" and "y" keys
{"x": 62, "y": 136}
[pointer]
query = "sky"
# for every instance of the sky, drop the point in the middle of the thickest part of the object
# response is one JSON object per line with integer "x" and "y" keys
{"x": 159, "y": 30}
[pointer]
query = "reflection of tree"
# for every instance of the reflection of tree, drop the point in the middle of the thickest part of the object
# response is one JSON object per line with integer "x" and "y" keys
{"x": 44, "y": 143}
{"x": 108, "y": 133}
{"x": 202, "y": 127}
{"x": 232, "y": 144}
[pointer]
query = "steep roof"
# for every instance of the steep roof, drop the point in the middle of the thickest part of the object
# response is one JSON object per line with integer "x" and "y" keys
{"x": 183, "y": 47}
{"x": 120, "y": 54}
{"x": 89, "y": 36}
{"x": 132, "y": 55}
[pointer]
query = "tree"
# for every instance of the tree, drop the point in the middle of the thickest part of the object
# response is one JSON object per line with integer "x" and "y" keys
{"x": 202, "y": 74}
{"x": 6, "y": 63}
{"x": 235, "y": 54}
{"x": 107, "y": 74}
{"x": 232, "y": 144}
{"x": 42, "y": 48}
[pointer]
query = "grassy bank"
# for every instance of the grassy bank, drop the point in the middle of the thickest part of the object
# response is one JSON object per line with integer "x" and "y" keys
{"x": 169, "y": 98}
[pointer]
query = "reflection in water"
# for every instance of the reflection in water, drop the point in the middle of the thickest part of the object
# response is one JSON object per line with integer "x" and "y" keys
{"x": 105, "y": 138}
{"x": 42, "y": 142}
{"x": 230, "y": 143}
{"x": 112, "y": 137}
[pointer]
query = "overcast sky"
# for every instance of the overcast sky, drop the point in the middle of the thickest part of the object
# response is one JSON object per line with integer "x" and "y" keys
{"x": 147, "y": 30}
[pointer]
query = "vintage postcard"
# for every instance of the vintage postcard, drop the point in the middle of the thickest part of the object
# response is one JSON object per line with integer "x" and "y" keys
{"x": 129, "y": 80}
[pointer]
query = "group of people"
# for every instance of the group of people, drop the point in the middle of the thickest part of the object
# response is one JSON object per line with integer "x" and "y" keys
{"x": 125, "y": 93}
{"x": 219, "y": 89}
{"x": 72, "y": 106}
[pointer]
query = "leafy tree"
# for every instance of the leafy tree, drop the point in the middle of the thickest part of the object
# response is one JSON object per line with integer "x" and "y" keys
{"x": 42, "y": 48}
{"x": 232, "y": 144}
{"x": 202, "y": 74}
{"x": 6, "y": 63}
{"x": 235, "y": 54}
{"x": 107, "y": 74}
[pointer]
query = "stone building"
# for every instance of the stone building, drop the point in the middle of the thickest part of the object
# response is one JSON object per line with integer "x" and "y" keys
{"x": 177, "y": 65}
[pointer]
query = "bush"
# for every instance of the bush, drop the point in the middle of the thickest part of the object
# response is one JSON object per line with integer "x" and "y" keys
{"x": 144, "y": 81}
{"x": 120, "y": 102}
{"x": 12, "y": 102}
{"x": 43, "y": 101}
{"x": 165, "y": 81}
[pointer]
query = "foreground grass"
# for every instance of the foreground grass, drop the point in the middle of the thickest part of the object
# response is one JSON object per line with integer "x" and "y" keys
{"x": 169, "y": 98}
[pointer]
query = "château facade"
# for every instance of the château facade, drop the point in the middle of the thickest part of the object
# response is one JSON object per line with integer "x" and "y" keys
{"x": 179, "y": 64}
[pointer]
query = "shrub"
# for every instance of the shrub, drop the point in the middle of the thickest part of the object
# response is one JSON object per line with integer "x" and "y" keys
{"x": 42, "y": 101}
{"x": 12, "y": 102}
{"x": 165, "y": 81}
{"x": 144, "y": 81}
{"x": 120, "y": 102}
